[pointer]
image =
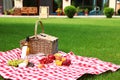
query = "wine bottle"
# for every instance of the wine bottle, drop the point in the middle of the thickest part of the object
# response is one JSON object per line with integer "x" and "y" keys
{"x": 25, "y": 49}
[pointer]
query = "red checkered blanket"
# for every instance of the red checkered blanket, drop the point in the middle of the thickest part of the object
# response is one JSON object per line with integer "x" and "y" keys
{"x": 79, "y": 66}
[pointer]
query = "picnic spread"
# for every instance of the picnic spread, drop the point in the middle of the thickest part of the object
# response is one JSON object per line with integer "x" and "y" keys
{"x": 38, "y": 58}
{"x": 78, "y": 67}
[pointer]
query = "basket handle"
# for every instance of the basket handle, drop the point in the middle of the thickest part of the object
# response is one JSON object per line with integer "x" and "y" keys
{"x": 36, "y": 25}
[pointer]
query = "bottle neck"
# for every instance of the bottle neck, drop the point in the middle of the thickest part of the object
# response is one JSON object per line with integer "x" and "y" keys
{"x": 26, "y": 43}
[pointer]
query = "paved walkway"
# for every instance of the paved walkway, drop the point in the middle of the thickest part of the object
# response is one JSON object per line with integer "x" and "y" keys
{"x": 55, "y": 16}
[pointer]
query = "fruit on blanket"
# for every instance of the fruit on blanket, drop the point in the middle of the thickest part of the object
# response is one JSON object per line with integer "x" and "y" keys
{"x": 41, "y": 66}
{"x": 15, "y": 62}
{"x": 43, "y": 60}
{"x": 67, "y": 62}
{"x": 49, "y": 60}
{"x": 46, "y": 60}
{"x": 51, "y": 56}
{"x": 24, "y": 63}
{"x": 58, "y": 56}
{"x": 63, "y": 59}
{"x": 58, "y": 62}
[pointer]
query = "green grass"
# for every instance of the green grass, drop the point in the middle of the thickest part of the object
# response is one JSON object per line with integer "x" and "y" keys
{"x": 89, "y": 37}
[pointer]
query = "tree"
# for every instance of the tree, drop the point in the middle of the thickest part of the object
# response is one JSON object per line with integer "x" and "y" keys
{"x": 59, "y": 3}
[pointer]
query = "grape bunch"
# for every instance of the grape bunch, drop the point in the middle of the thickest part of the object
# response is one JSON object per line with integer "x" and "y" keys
{"x": 15, "y": 62}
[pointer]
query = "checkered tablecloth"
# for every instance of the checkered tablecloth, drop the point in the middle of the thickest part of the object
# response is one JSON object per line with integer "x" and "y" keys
{"x": 79, "y": 66}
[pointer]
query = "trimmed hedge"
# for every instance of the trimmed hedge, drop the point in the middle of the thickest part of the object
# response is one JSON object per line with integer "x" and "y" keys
{"x": 70, "y": 11}
{"x": 108, "y": 12}
{"x": 118, "y": 11}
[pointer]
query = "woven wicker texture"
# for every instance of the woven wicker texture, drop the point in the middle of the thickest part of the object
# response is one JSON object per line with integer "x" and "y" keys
{"x": 42, "y": 43}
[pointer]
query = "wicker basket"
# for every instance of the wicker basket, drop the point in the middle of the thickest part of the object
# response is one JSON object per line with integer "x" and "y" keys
{"x": 42, "y": 43}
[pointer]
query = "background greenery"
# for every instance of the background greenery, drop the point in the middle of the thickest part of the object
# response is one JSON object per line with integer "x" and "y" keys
{"x": 89, "y": 37}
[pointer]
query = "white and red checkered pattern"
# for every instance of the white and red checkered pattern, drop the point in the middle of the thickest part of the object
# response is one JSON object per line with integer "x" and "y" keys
{"x": 80, "y": 66}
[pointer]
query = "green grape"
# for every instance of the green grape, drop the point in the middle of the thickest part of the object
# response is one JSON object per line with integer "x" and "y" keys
{"x": 15, "y": 62}
{"x": 19, "y": 61}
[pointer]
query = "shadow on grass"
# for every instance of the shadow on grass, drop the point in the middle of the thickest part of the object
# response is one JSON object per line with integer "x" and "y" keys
{"x": 93, "y": 76}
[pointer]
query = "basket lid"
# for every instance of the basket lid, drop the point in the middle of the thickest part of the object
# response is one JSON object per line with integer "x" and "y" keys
{"x": 47, "y": 37}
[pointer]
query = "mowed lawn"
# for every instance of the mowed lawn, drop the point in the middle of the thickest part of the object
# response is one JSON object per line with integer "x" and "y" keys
{"x": 90, "y": 37}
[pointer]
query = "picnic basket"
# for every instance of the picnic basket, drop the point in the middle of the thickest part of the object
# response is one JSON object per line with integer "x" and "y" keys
{"x": 41, "y": 43}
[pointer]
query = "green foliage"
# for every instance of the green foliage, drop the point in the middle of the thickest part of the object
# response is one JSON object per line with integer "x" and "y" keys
{"x": 86, "y": 10}
{"x": 108, "y": 12}
{"x": 59, "y": 10}
{"x": 9, "y": 12}
{"x": 1, "y": 78}
{"x": 118, "y": 11}
{"x": 78, "y": 9}
{"x": 59, "y": 3}
{"x": 106, "y": 5}
{"x": 30, "y": 3}
{"x": 70, "y": 11}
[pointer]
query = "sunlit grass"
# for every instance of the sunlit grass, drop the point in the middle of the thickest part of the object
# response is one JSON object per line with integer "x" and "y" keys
{"x": 89, "y": 37}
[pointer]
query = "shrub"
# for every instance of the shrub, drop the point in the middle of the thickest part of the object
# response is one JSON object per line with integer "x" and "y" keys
{"x": 108, "y": 12}
{"x": 70, "y": 11}
{"x": 118, "y": 11}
